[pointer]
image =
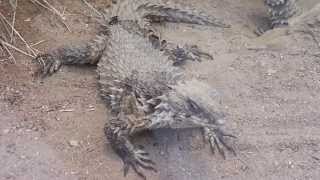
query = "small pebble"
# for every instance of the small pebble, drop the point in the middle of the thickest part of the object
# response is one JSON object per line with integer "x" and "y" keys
{"x": 73, "y": 143}
{"x": 27, "y": 20}
{"x": 290, "y": 164}
{"x": 271, "y": 71}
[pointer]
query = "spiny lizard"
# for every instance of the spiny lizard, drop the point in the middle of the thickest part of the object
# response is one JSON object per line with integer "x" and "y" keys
{"x": 140, "y": 85}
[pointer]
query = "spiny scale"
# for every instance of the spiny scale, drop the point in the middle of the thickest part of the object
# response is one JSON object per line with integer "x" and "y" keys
{"x": 130, "y": 61}
{"x": 280, "y": 11}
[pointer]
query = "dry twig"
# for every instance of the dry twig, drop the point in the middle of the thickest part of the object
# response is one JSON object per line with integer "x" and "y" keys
{"x": 5, "y": 44}
{"x": 19, "y": 35}
{"x": 14, "y": 6}
{"x": 37, "y": 43}
{"x": 5, "y": 28}
{"x": 91, "y": 7}
{"x": 9, "y": 52}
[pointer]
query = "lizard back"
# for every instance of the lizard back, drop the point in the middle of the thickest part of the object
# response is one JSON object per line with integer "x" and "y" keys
{"x": 131, "y": 65}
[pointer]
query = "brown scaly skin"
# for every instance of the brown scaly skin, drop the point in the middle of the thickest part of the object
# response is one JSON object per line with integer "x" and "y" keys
{"x": 142, "y": 89}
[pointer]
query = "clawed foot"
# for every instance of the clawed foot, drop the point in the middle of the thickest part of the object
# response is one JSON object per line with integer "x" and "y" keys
{"x": 48, "y": 64}
{"x": 138, "y": 160}
{"x": 216, "y": 138}
{"x": 188, "y": 52}
{"x": 196, "y": 54}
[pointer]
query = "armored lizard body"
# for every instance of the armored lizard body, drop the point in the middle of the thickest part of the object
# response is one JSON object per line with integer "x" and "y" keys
{"x": 145, "y": 92}
{"x": 141, "y": 87}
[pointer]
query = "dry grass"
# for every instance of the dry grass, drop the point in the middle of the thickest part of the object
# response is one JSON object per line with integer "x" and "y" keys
{"x": 10, "y": 36}
{"x": 11, "y": 39}
{"x": 7, "y": 38}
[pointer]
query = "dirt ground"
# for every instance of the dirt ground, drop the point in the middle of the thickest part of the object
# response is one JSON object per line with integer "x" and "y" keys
{"x": 269, "y": 88}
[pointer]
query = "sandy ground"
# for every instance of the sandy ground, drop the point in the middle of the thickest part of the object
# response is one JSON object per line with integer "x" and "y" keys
{"x": 269, "y": 89}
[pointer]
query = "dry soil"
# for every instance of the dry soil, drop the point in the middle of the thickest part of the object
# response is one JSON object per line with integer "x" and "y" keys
{"x": 268, "y": 87}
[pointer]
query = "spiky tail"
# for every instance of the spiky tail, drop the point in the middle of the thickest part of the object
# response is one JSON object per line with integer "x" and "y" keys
{"x": 163, "y": 13}
{"x": 280, "y": 11}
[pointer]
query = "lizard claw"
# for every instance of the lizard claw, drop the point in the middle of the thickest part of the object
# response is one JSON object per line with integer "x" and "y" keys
{"x": 138, "y": 160}
{"x": 188, "y": 52}
{"x": 48, "y": 64}
{"x": 196, "y": 53}
{"x": 217, "y": 141}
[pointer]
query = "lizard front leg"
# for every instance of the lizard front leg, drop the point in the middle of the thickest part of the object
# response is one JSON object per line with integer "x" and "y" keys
{"x": 125, "y": 124}
{"x": 215, "y": 137}
{"x": 118, "y": 133}
{"x": 87, "y": 53}
{"x": 179, "y": 55}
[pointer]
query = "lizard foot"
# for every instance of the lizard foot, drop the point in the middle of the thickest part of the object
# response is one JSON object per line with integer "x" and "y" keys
{"x": 138, "y": 159}
{"x": 48, "y": 64}
{"x": 188, "y": 52}
{"x": 217, "y": 141}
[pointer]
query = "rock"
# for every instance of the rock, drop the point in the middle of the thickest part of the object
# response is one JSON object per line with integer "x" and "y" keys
{"x": 74, "y": 143}
{"x": 161, "y": 153}
{"x": 290, "y": 164}
{"x": 271, "y": 72}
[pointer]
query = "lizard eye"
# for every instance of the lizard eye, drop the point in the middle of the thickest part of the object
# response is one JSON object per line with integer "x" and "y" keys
{"x": 193, "y": 106}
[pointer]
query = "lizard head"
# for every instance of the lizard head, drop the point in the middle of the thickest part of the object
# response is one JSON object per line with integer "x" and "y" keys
{"x": 189, "y": 104}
